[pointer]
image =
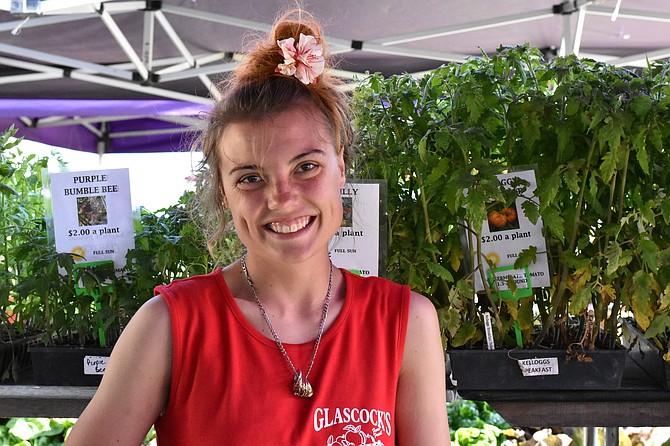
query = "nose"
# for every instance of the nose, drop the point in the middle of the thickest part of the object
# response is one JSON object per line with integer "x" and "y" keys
{"x": 281, "y": 192}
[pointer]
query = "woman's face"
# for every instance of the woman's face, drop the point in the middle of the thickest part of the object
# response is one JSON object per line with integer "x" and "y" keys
{"x": 281, "y": 181}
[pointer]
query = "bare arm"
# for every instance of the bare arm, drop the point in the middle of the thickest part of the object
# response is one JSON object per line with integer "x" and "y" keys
{"x": 135, "y": 385}
{"x": 421, "y": 410}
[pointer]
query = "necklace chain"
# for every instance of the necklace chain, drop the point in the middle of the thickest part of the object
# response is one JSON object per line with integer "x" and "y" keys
{"x": 301, "y": 386}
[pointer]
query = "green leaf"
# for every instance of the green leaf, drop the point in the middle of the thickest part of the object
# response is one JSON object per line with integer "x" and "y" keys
{"x": 580, "y": 300}
{"x": 450, "y": 319}
{"x": 526, "y": 257}
{"x": 440, "y": 271}
{"x": 664, "y": 302}
{"x": 648, "y": 214}
{"x": 511, "y": 304}
{"x": 613, "y": 256}
{"x": 571, "y": 107}
{"x": 649, "y": 250}
{"x": 531, "y": 130}
{"x": 553, "y": 220}
{"x": 474, "y": 100}
{"x": 571, "y": 179}
{"x": 642, "y": 298}
{"x": 531, "y": 211}
{"x": 643, "y": 159}
{"x": 665, "y": 210}
{"x": 598, "y": 116}
{"x": 422, "y": 148}
{"x": 475, "y": 208}
{"x": 6, "y": 189}
{"x": 658, "y": 327}
{"x": 641, "y": 105}
{"x": 638, "y": 144}
{"x": 608, "y": 166}
{"x": 525, "y": 316}
{"x": 440, "y": 171}
{"x": 548, "y": 188}
{"x": 443, "y": 139}
{"x": 464, "y": 335}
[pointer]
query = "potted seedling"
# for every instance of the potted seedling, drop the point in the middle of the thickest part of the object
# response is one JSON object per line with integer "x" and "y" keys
{"x": 20, "y": 208}
{"x": 85, "y": 308}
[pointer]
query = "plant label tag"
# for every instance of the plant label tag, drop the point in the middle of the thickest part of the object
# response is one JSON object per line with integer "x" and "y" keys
{"x": 538, "y": 366}
{"x": 488, "y": 329}
{"x": 95, "y": 365}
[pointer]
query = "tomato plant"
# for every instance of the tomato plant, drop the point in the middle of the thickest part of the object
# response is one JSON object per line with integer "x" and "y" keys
{"x": 37, "y": 284}
{"x": 596, "y": 136}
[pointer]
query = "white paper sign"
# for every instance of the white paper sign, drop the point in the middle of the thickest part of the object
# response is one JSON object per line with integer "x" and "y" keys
{"x": 95, "y": 365}
{"x": 538, "y": 366}
{"x": 355, "y": 245}
{"x": 506, "y": 233}
{"x": 92, "y": 214}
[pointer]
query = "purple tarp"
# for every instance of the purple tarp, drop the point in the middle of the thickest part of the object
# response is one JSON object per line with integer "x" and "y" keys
{"x": 142, "y": 116}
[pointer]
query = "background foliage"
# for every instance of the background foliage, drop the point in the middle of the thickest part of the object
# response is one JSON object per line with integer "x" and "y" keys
{"x": 596, "y": 136}
{"x": 37, "y": 284}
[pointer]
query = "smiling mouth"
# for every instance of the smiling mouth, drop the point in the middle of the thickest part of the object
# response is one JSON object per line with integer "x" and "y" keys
{"x": 289, "y": 227}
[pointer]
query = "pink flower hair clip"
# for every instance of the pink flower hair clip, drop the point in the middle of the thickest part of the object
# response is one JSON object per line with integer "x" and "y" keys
{"x": 304, "y": 62}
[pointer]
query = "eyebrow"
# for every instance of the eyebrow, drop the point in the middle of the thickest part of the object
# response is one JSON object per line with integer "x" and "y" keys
{"x": 293, "y": 160}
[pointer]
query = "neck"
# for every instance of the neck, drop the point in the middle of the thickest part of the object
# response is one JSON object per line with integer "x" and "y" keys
{"x": 289, "y": 285}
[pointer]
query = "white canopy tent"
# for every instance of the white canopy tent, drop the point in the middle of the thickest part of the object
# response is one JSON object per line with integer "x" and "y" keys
{"x": 179, "y": 49}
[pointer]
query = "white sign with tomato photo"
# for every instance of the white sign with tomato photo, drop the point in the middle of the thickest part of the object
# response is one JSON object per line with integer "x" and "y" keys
{"x": 506, "y": 232}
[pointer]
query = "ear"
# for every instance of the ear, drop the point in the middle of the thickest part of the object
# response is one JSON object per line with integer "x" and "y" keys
{"x": 224, "y": 200}
{"x": 342, "y": 167}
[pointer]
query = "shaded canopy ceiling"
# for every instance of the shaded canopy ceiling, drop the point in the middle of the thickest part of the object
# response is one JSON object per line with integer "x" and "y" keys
{"x": 178, "y": 49}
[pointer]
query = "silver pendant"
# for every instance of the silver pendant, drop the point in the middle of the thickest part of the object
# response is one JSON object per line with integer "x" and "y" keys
{"x": 302, "y": 387}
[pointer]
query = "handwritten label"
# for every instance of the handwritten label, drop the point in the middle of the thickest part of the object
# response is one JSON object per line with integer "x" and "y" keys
{"x": 538, "y": 366}
{"x": 95, "y": 365}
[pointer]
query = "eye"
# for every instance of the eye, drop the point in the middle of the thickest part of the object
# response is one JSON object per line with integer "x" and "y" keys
{"x": 250, "y": 179}
{"x": 306, "y": 167}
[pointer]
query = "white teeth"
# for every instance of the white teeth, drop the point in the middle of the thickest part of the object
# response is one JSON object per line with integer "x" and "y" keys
{"x": 283, "y": 228}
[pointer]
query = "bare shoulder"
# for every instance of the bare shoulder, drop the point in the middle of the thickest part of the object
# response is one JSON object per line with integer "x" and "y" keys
{"x": 148, "y": 331}
{"x": 135, "y": 386}
{"x": 420, "y": 307}
{"x": 421, "y": 403}
{"x": 155, "y": 310}
{"x": 422, "y": 329}
{"x": 144, "y": 349}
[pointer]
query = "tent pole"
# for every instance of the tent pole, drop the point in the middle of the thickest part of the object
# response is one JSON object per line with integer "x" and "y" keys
{"x": 122, "y": 41}
{"x": 579, "y": 30}
{"x": 566, "y": 40}
{"x": 103, "y": 141}
{"x": 148, "y": 40}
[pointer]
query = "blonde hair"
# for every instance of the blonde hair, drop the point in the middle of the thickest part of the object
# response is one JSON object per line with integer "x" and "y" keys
{"x": 256, "y": 91}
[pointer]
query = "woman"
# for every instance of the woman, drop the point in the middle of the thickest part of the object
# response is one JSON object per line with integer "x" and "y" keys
{"x": 280, "y": 347}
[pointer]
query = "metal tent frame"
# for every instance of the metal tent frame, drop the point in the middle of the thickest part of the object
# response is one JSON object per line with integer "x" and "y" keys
{"x": 177, "y": 50}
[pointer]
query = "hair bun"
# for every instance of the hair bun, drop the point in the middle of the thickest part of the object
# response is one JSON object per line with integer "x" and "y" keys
{"x": 294, "y": 23}
{"x": 263, "y": 59}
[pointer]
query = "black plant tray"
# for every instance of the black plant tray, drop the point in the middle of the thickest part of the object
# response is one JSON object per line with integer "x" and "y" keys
{"x": 499, "y": 370}
{"x": 14, "y": 358}
{"x": 67, "y": 366}
{"x": 646, "y": 355}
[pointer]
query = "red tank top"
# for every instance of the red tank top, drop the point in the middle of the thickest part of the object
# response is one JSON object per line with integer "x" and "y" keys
{"x": 231, "y": 385}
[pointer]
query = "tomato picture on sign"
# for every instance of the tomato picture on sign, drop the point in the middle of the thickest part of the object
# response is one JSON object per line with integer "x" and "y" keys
{"x": 503, "y": 218}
